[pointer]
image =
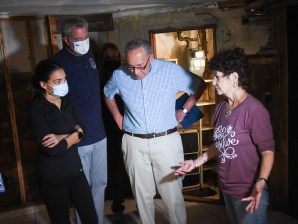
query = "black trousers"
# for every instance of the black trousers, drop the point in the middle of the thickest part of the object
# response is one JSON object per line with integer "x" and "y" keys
{"x": 58, "y": 193}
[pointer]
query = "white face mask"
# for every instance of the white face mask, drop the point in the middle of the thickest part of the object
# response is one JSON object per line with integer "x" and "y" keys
{"x": 81, "y": 47}
{"x": 59, "y": 90}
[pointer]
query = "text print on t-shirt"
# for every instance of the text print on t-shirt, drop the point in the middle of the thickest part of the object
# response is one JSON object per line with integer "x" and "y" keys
{"x": 224, "y": 142}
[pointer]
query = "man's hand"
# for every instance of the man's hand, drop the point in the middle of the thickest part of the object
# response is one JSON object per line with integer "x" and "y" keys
{"x": 119, "y": 121}
{"x": 180, "y": 115}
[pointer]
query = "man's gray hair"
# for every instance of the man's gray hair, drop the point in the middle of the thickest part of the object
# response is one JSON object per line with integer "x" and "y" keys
{"x": 137, "y": 43}
{"x": 67, "y": 24}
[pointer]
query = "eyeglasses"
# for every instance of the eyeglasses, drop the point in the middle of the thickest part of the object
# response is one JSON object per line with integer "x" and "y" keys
{"x": 140, "y": 68}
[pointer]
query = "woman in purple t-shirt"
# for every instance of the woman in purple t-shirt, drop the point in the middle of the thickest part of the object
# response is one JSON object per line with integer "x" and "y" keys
{"x": 243, "y": 141}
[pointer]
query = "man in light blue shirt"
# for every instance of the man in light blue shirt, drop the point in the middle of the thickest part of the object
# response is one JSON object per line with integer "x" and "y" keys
{"x": 151, "y": 144}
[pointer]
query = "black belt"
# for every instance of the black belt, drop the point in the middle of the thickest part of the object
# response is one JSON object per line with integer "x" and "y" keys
{"x": 153, "y": 135}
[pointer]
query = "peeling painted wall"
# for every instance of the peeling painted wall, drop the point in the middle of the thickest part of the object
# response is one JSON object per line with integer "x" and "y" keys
{"x": 229, "y": 33}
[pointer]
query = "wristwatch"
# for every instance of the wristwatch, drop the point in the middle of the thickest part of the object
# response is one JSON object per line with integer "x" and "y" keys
{"x": 184, "y": 110}
{"x": 80, "y": 134}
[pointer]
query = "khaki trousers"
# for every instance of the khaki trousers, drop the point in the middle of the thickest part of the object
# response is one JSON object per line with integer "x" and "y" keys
{"x": 150, "y": 164}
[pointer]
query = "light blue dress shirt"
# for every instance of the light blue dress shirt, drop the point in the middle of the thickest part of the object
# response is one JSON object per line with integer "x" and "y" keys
{"x": 150, "y": 102}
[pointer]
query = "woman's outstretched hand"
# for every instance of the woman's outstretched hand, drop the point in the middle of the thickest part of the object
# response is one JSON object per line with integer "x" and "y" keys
{"x": 186, "y": 166}
{"x": 255, "y": 197}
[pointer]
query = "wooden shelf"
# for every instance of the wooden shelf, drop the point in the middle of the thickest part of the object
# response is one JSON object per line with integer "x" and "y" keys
{"x": 191, "y": 187}
{"x": 205, "y": 147}
{"x": 197, "y": 138}
{"x": 202, "y": 193}
{"x": 195, "y": 128}
{"x": 192, "y": 129}
{"x": 192, "y": 153}
{"x": 203, "y": 129}
{"x": 206, "y": 127}
{"x": 208, "y": 80}
{"x": 205, "y": 103}
{"x": 192, "y": 173}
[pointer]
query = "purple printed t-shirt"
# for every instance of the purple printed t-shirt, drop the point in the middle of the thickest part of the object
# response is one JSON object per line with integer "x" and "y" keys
{"x": 239, "y": 139}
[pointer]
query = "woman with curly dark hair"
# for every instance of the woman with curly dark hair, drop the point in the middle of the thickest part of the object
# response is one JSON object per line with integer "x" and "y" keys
{"x": 243, "y": 141}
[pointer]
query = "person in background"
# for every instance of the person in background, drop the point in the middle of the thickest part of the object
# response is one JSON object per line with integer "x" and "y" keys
{"x": 151, "y": 143}
{"x": 118, "y": 183}
{"x": 84, "y": 89}
{"x": 109, "y": 59}
{"x": 243, "y": 141}
{"x": 57, "y": 132}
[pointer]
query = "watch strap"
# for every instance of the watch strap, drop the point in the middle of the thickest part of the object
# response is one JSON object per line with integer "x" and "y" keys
{"x": 80, "y": 134}
{"x": 184, "y": 110}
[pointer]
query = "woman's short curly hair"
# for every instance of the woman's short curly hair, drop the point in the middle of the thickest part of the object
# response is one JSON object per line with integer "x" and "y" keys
{"x": 229, "y": 61}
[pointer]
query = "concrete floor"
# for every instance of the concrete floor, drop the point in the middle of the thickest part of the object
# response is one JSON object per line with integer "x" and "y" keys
{"x": 196, "y": 213}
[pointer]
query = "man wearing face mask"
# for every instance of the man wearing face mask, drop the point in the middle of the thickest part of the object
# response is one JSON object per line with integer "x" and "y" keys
{"x": 118, "y": 183}
{"x": 84, "y": 89}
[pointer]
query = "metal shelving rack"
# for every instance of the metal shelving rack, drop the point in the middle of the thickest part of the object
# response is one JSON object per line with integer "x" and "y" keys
{"x": 207, "y": 105}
